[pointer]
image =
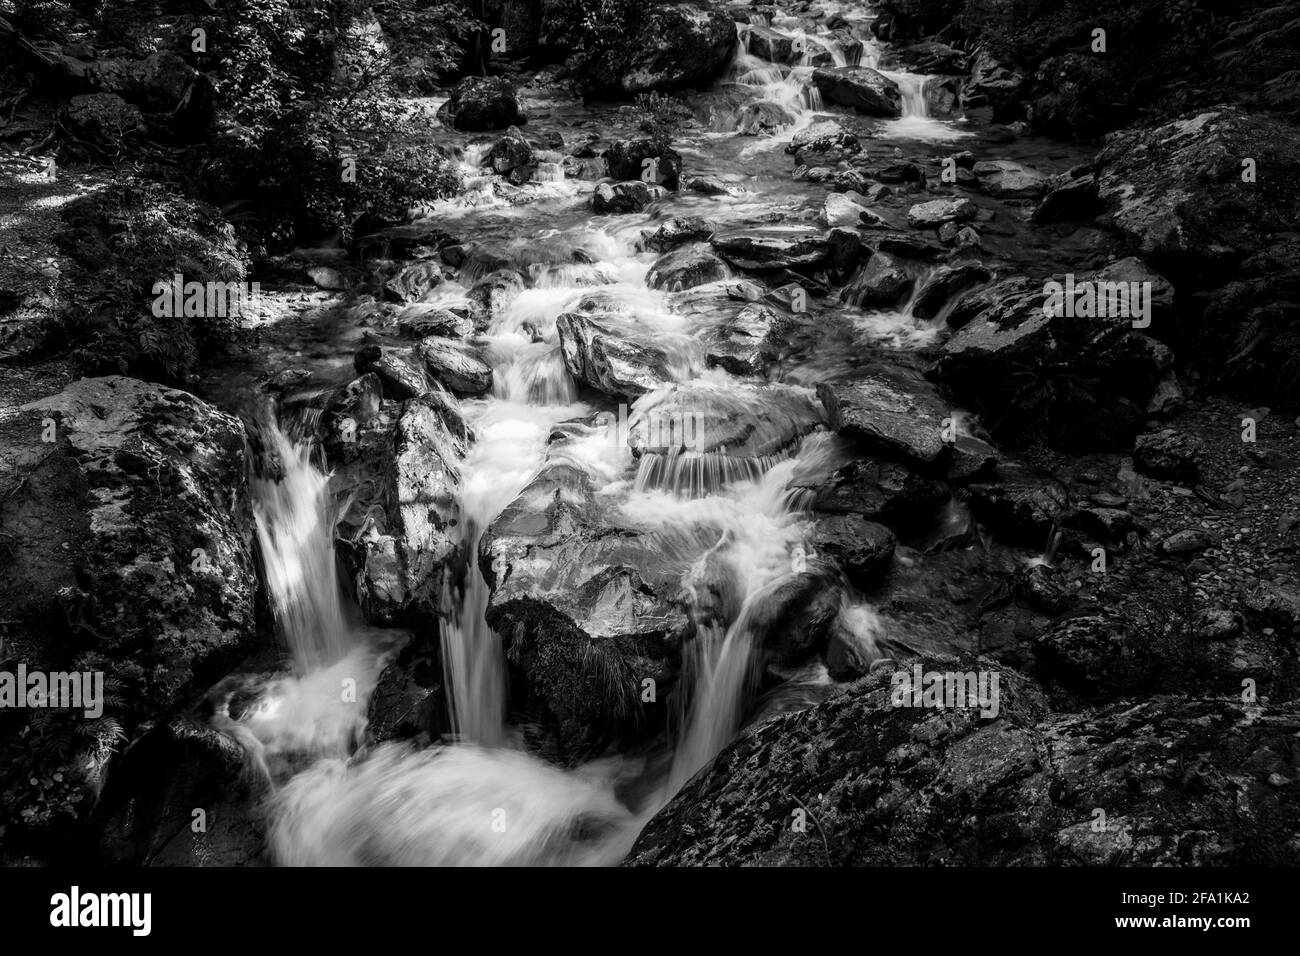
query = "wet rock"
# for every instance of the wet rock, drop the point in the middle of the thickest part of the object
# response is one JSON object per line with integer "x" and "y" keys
{"x": 414, "y": 282}
{"x": 709, "y": 186}
{"x": 401, "y": 378}
{"x": 483, "y": 103}
{"x": 770, "y": 45}
{"x": 861, "y": 88}
{"x": 763, "y": 117}
{"x": 901, "y": 172}
{"x": 745, "y": 423}
{"x": 932, "y": 214}
{"x": 678, "y": 231}
{"x": 882, "y": 282}
{"x": 1004, "y": 179}
{"x": 513, "y": 157}
{"x": 944, "y": 284}
{"x": 931, "y": 56}
{"x": 759, "y": 253}
{"x": 971, "y": 459}
{"x": 606, "y": 352}
{"x": 494, "y": 292}
{"x": 645, "y": 160}
{"x": 1006, "y": 362}
{"x": 421, "y": 321}
{"x": 884, "y": 491}
{"x": 888, "y": 414}
{"x": 1020, "y": 506}
{"x": 1041, "y": 589}
{"x": 624, "y": 197}
{"x": 792, "y": 619}
{"x": 862, "y": 548}
{"x": 823, "y": 143}
{"x": 846, "y": 209}
{"x": 585, "y": 604}
{"x": 454, "y": 366}
{"x": 943, "y": 100}
{"x": 743, "y": 344}
{"x": 685, "y": 268}
{"x": 1169, "y": 454}
{"x": 402, "y": 550}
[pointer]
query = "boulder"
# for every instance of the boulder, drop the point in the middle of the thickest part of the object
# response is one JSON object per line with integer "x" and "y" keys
{"x": 1004, "y": 179}
{"x": 862, "y": 548}
{"x": 626, "y": 197}
{"x": 678, "y": 231}
{"x": 889, "y": 415}
{"x": 645, "y": 160}
{"x": 127, "y": 533}
{"x": 944, "y": 284}
{"x": 861, "y": 88}
{"x": 482, "y": 103}
{"x": 454, "y": 366}
{"x": 932, "y": 786}
{"x": 1007, "y": 362}
{"x": 585, "y": 603}
{"x": 401, "y": 378}
{"x": 607, "y": 352}
{"x": 759, "y": 252}
{"x": 743, "y": 345}
{"x": 678, "y": 46}
{"x": 409, "y": 535}
{"x": 414, "y": 282}
{"x": 935, "y": 212}
{"x": 685, "y": 268}
{"x": 1177, "y": 195}
{"x": 880, "y": 283}
{"x": 513, "y": 157}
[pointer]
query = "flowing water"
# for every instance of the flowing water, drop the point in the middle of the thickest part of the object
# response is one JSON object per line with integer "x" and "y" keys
{"x": 479, "y": 796}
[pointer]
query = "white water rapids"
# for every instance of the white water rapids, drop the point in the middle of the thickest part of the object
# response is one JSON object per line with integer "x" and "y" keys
{"x": 479, "y": 797}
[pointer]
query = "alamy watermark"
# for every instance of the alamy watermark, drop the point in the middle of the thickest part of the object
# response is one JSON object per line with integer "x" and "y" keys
{"x": 178, "y": 298}
{"x": 75, "y": 690}
{"x": 975, "y": 690}
{"x": 655, "y": 429}
{"x": 1098, "y": 299}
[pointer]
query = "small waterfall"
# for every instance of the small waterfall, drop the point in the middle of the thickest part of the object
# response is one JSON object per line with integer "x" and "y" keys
{"x": 697, "y": 474}
{"x": 912, "y": 87}
{"x": 295, "y": 529}
{"x": 1048, "y": 557}
{"x": 548, "y": 173}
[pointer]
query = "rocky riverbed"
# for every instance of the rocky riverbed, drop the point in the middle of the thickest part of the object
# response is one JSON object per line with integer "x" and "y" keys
{"x": 617, "y": 490}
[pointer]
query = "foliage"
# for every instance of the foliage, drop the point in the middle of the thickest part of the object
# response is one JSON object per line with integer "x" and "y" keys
{"x": 307, "y": 89}
{"x": 122, "y": 240}
{"x": 661, "y": 116}
{"x": 601, "y": 33}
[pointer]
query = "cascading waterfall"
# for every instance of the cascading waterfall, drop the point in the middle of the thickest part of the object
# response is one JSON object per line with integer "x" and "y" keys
{"x": 296, "y": 536}
{"x": 395, "y": 804}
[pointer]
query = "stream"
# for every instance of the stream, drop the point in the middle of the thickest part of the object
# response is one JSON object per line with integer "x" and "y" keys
{"x": 732, "y": 519}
